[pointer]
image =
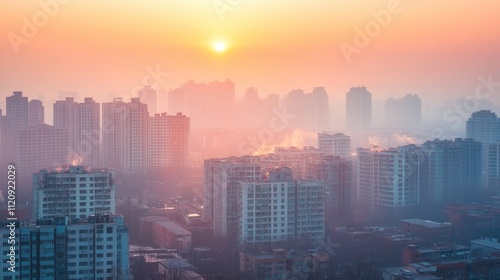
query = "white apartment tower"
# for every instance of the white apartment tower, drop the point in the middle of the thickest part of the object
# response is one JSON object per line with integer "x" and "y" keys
{"x": 389, "y": 178}
{"x": 222, "y": 191}
{"x": 336, "y": 144}
{"x": 280, "y": 209}
{"x": 60, "y": 248}
{"x": 75, "y": 192}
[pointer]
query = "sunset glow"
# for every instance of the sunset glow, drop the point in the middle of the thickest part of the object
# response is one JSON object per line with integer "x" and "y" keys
{"x": 220, "y": 47}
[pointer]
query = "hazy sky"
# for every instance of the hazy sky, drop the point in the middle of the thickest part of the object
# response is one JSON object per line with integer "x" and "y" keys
{"x": 431, "y": 48}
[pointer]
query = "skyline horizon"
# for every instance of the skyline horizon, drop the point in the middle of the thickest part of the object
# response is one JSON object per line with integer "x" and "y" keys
{"x": 393, "y": 47}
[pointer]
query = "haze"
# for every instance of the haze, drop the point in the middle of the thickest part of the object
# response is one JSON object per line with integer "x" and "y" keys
{"x": 434, "y": 49}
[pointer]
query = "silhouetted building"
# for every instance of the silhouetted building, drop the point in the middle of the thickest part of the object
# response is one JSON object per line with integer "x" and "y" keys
{"x": 35, "y": 112}
{"x": 125, "y": 135}
{"x": 64, "y": 116}
{"x": 168, "y": 141}
{"x": 41, "y": 146}
{"x": 148, "y": 96}
{"x": 358, "y": 109}
{"x": 309, "y": 110}
{"x": 209, "y": 105}
{"x": 16, "y": 118}
{"x": 83, "y": 123}
{"x": 405, "y": 112}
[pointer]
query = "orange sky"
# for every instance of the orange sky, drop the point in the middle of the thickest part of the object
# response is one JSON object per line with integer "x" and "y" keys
{"x": 94, "y": 47}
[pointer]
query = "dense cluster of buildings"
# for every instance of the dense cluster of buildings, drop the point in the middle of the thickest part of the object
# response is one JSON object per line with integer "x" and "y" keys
{"x": 275, "y": 210}
{"x": 123, "y": 135}
{"x": 74, "y": 233}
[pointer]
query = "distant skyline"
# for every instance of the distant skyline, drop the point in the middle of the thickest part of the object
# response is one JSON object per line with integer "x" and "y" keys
{"x": 436, "y": 50}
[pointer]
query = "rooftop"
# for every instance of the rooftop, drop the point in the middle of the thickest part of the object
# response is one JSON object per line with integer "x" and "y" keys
{"x": 487, "y": 242}
{"x": 174, "y": 228}
{"x": 426, "y": 223}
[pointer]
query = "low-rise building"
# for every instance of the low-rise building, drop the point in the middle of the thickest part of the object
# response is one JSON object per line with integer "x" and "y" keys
{"x": 171, "y": 235}
{"x": 485, "y": 247}
{"x": 437, "y": 253}
{"x": 429, "y": 230}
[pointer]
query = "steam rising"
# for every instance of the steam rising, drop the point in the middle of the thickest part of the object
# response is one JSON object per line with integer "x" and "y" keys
{"x": 298, "y": 138}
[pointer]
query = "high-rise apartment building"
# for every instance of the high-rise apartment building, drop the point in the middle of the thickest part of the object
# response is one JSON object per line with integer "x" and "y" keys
{"x": 484, "y": 127}
{"x": 64, "y": 115}
{"x": 358, "y": 109}
{"x": 222, "y": 191}
{"x": 35, "y": 112}
{"x": 209, "y": 105}
{"x": 125, "y": 135}
{"x": 405, "y": 112}
{"x": 41, "y": 146}
{"x": 60, "y": 248}
{"x": 75, "y": 193}
{"x": 337, "y": 174}
{"x": 279, "y": 209}
{"x": 88, "y": 133}
{"x": 494, "y": 166}
{"x": 309, "y": 110}
{"x": 16, "y": 118}
{"x": 453, "y": 170}
{"x": 83, "y": 123}
{"x": 168, "y": 141}
{"x": 389, "y": 179}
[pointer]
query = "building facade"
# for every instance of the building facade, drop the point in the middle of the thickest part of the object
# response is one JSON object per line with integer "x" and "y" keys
{"x": 358, "y": 109}
{"x": 76, "y": 193}
{"x": 125, "y": 135}
{"x": 389, "y": 179}
{"x": 222, "y": 192}
{"x": 337, "y": 144}
{"x": 280, "y": 209}
{"x": 168, "y": 141}
{"x": 453, "y": 170}
{"x": 59, "y": 248}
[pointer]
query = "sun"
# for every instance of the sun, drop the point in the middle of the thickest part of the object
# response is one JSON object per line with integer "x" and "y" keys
{"x": 219, "y": 46}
